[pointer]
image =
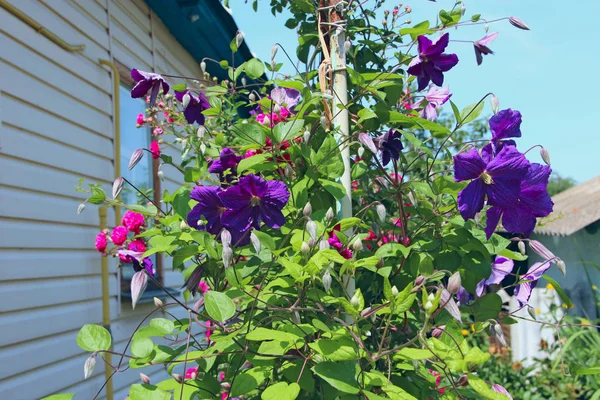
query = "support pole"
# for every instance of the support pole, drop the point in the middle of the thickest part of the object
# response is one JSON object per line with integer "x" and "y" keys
{"x": 106, "y": 308}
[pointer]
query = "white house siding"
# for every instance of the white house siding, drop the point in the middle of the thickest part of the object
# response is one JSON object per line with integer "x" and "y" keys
{"x": 56, "y": 126}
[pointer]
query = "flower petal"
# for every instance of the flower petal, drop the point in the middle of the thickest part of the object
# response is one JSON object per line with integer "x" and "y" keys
{"x": 271, "y": 215}
{"x": 140, "y": 89}
{"x": 468, "y": 165}
{"x": 445, "y": 62}
{"x": 276, "y": 193}
{"x": 436, "y": 47}
{"x": 501, "y": 267}
{"x": 470, "y": 199}
{"x": 493, "y": 218}
{"x": 509, "y": 164}
{"x": 241, "y": 218}
{"x": 518, "y": 220}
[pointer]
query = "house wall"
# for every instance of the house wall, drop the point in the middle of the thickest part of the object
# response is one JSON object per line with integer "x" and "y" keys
{"x": 56, "y": 114}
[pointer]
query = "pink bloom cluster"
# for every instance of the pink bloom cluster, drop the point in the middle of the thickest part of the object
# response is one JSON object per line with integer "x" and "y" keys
{"x": 272, "y": 119}
{"x": 131, "y": 222}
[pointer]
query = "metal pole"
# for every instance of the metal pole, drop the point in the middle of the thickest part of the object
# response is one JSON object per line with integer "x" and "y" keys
{"x": 106, "y": 308}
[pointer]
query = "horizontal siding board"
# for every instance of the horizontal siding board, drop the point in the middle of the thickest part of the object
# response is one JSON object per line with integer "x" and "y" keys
{"x": 34, "y": 119}
{"x": 122, "y": 54}
{"x": 46, "y": 97}
{"x": 86, "y": 69}
{"x": 138, "y": 28}
{"x": 54, "y": 75}
{"x": 94, "y": 9}
{"x": 43, "y": 235}
{"x": 22, "y": 144}
{"x": 134, "y": 45}
{"x": 44, "y": 264}
{"x": 140, "y": 15}
{"x": 171, "y": 49}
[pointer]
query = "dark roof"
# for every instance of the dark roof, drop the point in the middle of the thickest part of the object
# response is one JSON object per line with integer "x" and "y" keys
{"x": 204, "y": 28}
{"x": 574, "y": 209}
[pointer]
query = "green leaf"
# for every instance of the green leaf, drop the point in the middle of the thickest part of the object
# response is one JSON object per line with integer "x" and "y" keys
{"x": 93, "y": 338}
{"x": 482, "y": 388}
{"x": 470, "y": 113}
{"x": 286, "y": 130}
{"x": 250, "y": 133}
{"x": 254, "y": 68}
{"x": 561, "y": 293}
{"x": 339, "y": 349}
{"x": 248, "y": 381}
{"x": 281, "y": 391}
{"x": 218, "y": 305}
{"x": 487, "y": 307}
{"x": 341, "y": 375}
{"x": 364, "y": 114}
{"x": 260, "y": 334}
{"x": 581, "y": 370}
{"x": 334, "y": 188}
{"x": 266, "y": 240}
{"x": 141, "y": 347}
{"x": 415, "y": 354}
{"x": 59, "y": 397}
{"x": 180, "y": 87}
{"x": 392, "y": 250}
{"x": 256, "y": 163}
{"x": 405, "y": 299}
{"x": 98, "y": 196}
{"x": 166, "y": 326}
{"x": 147, "y": 392}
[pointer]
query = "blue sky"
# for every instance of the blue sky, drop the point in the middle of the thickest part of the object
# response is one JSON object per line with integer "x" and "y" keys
{"x": 535, "y": 72}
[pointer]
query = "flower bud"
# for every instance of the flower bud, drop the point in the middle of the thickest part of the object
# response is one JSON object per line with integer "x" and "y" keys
{"x": 347, "y": 45}
{"x": 158, "y": 302}
{"x": 227, "y": 256}
{"x": 274, "y": 51}
{"x": 305, "y": 248}
{"x": 463, "y": 380}
{"x": 201, "y": 132}
{"x": 178, "y": 378}
{"x": 145, "y": 378}
{"x": 357, "y": 245}
{"x": 407, "y": 9}
{"x": 311, "y": 229}
{"x": 255, "y": 242}
{"x": 437, "y": 332}
{"x": 521, "y": 246}
{"x": 454, "y": 283}
{"x": 276, "y": 109}
{"x": 486, "y": 27}
{"x": 161, "y": 175}
{"x": 307, "y": 210}
{"x": 323, "y": 121}
{"x": 419, "y": 281}
{"x": 495, "y": 103}
{"x": 431, "y": 297}
{"x": 80, "y": 208}
{"x": 327, "y": 280}
{"x": 355, "y": 301}
{"x": 498, "y": 334}
{"x": 117, "y": 186}
{"x": 306, "y": 136}
{"x": 562, "y": 267}
{"x": 203, "y": 67}
{"x": 531, "y": 312}
{"x": 186, "y": 100}
{"x": 289, "y": 171}
{"x": 135, "y": 158}
{"x": 243, "y": 81}
{"x": 380, "y": 263}
{"x": 329, "y": 214}
{"x": 226, "y": 238}
{"x": 367, "y": 141}
{"x": 381, "y": 212}
{"x": 361, "y": 151}
{"x": 545, "y": 155}
{"x": 324, "y": 244}
{"x": 516, "y": 22}
{"x": 395, "y": 291}
{"x": 273, "y": 65}
{"x": 312, "y": 242}
{"x": 202, "y": 148}
{"x": 384, "y": 22}
{"x": 252, "y": 97}
{"x": 183, "y": 225}
{"x": 89, "y": 366}
{"x": 541, "y": 250}
{"x": 428, "y": 305}
{"x": 239, "y": 38}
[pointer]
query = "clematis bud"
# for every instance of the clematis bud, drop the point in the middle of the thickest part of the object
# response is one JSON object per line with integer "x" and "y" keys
{"x": 252, "y": 97}
{"x": 545, "y": 155}
{"x": 80, "y": 208}
{"x": 361, "y": 151}
{"x": 307, "y": 210}
{"x": 437, "y": 332}
{"x": 562, "y": 267}
{"x": 227, "y": 256}
{"x": 419, "y": 281}
{"x": 273, "y": 65}
{"x": 531, "y": 312}
{"x": 368, "y": 142}
{"x": 239, "y": 38}
{"x": 135, "y": 158}
{"x": 178, "y": 378}
{"x": 521, "y": 246}
{"x": 395, "y": 291}
{"x": 409, "y": 21}
{"x": 486, "y": 27}
{"x": 305, "y": 248}
{"x": 324, "y": 245}
{"x": 202, "y": 148}
{"x": 158, "y": 302}
{"x": 454, "y": 283}
{"x": 183, "y": 225}
{"x": 498, "y": 334}
{"x": 306, "y": 136}
{"x": 463, "y": 9}
{"x": 145, "y": 378}
{"x": 323, "y": 121}
{"x": 161, "y": 175}
{"x": 201, "y": 132}
{"x": 463, "y": 380}
{"x": 243, "y": 81}
{"x": 380, "y": 263}
{"x": 186, "y": 100}
{"x": 327, "y": 280}
{"x": 89, "y": 366}
{"x": 226, "y": 238}
{"x": 357, "y": 245}
{"x": 329, "y": 214}
{"x": 203, "y": 67}
{"x": 274, "y": 51}
{"x": 495, "y": 103}
{"x": 381, "y": 212}
{"x": 312, "y": 242}
{"x": 276, "y": 109}
{"x": 449, "y": 304}
{"x": 516, "y": 22}
{"x": 311, "y": 228}
{"x": 139, "y": 281}
{"x": 366, "y": 312}
{"x": 255, "y": 242}
{"x": 355, "y": 301}
{"x": 428, "y": 305}
{"x": 117, "y": 186}
{"x": 289, "y": 171}
{"x": 541, "y": 250}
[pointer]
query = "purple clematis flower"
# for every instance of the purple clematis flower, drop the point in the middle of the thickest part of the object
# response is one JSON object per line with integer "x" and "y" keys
{"x": 138, "y": 262}
{"x": 500, "y": 389}
{"x": 533, "y": 201}
{"x": 254, "y": 200}
{"x": 390, "y": 146}
{"x": 227, "y": 160}
{"x": 501, "y": 267}
{"x": 148, "y": 81}
{"x": 498, "y": 178}
{"x": 432, "y": 61}
{"x": 433, "y": 99}
{"x": 209, "y": 206}
{"x": 533, "y": 275}
{"x": 505, "y": 124}
{"x": 481, "y": 46}
{"x": 285, "y": 97}
{"x": 197, "y": 104}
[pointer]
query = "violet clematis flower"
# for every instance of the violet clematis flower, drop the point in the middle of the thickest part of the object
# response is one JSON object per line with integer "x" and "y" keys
{"x": 209, "y": 206}
{"x": 197, "y": 104}
{"x": 533, "y": 275}
{"x": 228, "y": 160}
{"x": 148, "y": 81}
{"x": 285, "y": 97}
{"x": 481, "y": 46}
{"x": 533, "y": 201}
{"x": 432, "y": 61}
{"x": 139, "y": 263}
{"x": 500, "y": 389}
{"x": 254, "y": 200}
{"x": 433, "y": 99}
{"x": 501, "y": 267}
{"x": 505, "y": 124}
{"x": 390, "y": 146}
{"x": 498, "y": 178}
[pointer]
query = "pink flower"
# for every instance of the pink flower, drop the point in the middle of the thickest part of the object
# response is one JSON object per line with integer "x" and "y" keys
{"x": 101, "y": 242}
{"x": 133, "y": 221}
{"x": 224, "y": 396}
{"x": 395, "y": 11}
{"x": 191, "y": 373}
{"x": 203, "y": 286}
{"x": 170, "y": 120}
{"x": 157, "y": 131}
{"x": 155, "y": 150}
{"x": 208, "y": 330}
{"x": 137, "y": 245}
{"x": 284, "y": 113}
{"x": 251, "y": 153}
{"x": 140, "y": 119}
{"x": 161, "y": 105}
{"x": 434, "y": 98}
{"x": 119, "y": 235}
{"x": 221, "y": 376}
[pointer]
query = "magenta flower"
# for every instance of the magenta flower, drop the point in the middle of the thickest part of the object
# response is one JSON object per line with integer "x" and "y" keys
{"x": 191, "y": 373}
{"x": 505, "y": 124}
{"x": 433, "y": 99}
{"x": 228, "y": 160}
{"x": 155, "y": 150}
{"x": 254, "y": 200}
{"x": 119, "y": 235}
{"x": 209, "y": 206}
{"x": 529, "y": 281}
{"x": 148, "y": 81}
{"x": 203, "y": 287}
{"x": 501, "y": 267}
{"x": 481, "y": 46}
{"x": 499, "y": 179}
{"x": 140, "y": 119}
{"x": 285, "y": 97}
{"x": 390, "y": 146}
{"x": 431, "y": 62}
{"x": 335, "y": 242}
{"x": 101, "y": 242}
{"x": 533, "y": 201}
{"x": 197, "y": 104}
{"x": 133, "y": 221}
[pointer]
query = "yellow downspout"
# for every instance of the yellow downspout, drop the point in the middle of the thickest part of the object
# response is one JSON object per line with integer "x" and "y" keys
{"x": 40, "y": 28}
{"x": 106, "y": 308}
